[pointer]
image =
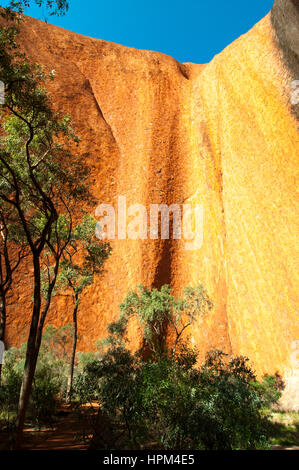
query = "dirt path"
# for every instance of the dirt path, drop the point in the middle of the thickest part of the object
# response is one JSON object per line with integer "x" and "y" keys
{"x": 68, "y": 430}
{"x": 65, "y": 436}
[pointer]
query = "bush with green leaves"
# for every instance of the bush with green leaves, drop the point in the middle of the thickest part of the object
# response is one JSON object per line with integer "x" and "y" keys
{"x": 270, "y": 389}
{"x": 10, "y": 387}
{"x": 177, "y": 405}
{"x": 44, "y": 399}
{"x": 160, "y": 315}
{"x": 169, "y": 401}
{"x": 55, "y": 354}
{"x": 50, "y": 378}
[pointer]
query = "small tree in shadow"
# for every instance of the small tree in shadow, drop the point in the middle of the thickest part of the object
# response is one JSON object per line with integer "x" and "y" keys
{"x": 83, "y": 258}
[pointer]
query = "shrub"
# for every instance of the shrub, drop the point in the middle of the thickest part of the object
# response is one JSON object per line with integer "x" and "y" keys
{"x": 10, "y": 389}
{"x": 44, "y": 396}
{"x": 55, "y": 355}
{"x": 168, "y": 399}
{"x": 270, "y": 389}
{"x": 50, "y": 379}
{"x": 176, "y": 405}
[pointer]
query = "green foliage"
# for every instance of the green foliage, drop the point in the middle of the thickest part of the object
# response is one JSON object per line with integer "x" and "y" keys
{"x": 44, "y": 399}
{"x": 54, "y": 7}
{"x": 43, "y": 189}
{"x": 50, "y": 379}
{"x": 11, "y": 383}
{"x": 84, "y": 358}
{"x": 54, "y": 356}
{"x": 270, "y": 389}
{"x": 166, "y": 403}
{"x": 85, "y": 385}
{"x": 83, "y": 258}
{"x": 56, "y": 341}
{"x": 171, "y": 400}
{"x": 43, "y": 182}
{"x": 285, "y": 428}
{"x": 157, "y": 310}
{"x": 177, "y": 405}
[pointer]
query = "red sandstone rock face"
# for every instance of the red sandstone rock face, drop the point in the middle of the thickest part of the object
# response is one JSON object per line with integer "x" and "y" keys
{"x": 223, "y": 135}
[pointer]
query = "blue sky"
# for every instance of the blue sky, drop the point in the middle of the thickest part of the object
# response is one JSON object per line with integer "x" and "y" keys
{"x": 189, "y": 30}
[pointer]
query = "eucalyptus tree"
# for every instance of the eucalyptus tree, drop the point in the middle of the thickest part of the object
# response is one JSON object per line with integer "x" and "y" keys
{"x": 160, "y": 315}
{"x": 82, "y": 259}
{"x": 43, "y": 181}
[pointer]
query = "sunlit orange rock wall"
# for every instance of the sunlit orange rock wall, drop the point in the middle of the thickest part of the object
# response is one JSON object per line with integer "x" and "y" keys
{"x": 224, "y": 135}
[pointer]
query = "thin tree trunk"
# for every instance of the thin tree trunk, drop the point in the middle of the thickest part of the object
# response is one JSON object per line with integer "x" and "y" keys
{"x": 31, "y": 356}
{"x": 178, "y": 335}
{"x": 33, "y": 347}
{"x": 73, "y": 357}
{"x": 2, "y": 323}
